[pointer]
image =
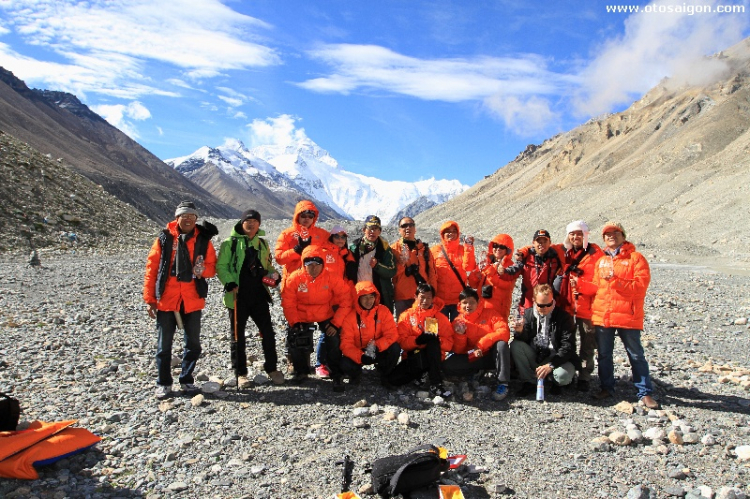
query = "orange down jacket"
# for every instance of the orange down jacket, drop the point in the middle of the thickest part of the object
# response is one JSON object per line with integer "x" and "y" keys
{"x": 305, "y": 299}
{"x": 405, "y": 287}
{"x": 361, "y": 326}
{"x": 176, "y": 292}
{"x": 448, "y": 285}
{"x": 284, "y": 252}
{"x": 411, "y": 325}
{"x": 502, "y": 287}
{"x": 484, "y": 328}
{"x": 618, "y": 302}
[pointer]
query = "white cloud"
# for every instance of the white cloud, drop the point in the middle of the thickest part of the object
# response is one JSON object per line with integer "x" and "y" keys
{"x": 655, "y": 45}
{"x": 116, "y": 115}
{"x": 239, "y": 115}
{"x": 115, "y": 41}
{"x": 526, "y": 117}
{"x": 281, "y": 131}
{"x": 232, "y": 101}
{"x": 160, "y": 130}
{"x": 370, "y": 67}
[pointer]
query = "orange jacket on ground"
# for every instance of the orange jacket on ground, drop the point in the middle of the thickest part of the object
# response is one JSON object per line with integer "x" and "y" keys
{"x": 619, "y": 301}
{"x": 405, "y": 287}
{"x": 580, "y": 307}
{"x": 484, "y": 328}
{"x": 502, "y": 287}
{"x": 284, "y": 252}
{"x": 360, "y": 326}
{"x": 176, "y": 292}
{"x": 412, "y": 323}
{"x": 305, "y": 299}
{"x": 448, "y": 285}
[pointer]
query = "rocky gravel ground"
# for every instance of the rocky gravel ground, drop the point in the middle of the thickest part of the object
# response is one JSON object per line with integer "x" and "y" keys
{"x": 76, "y": 343}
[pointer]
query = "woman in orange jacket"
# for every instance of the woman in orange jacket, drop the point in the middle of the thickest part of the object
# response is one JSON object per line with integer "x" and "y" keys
{"x": 368, "y": 336}
{"x": 310, "y": 296}
{"x": 480, "y": 342}
{"x": 621, "y": 279}
{"x": 454, "y": 262}
{"x": 499, "y": 257}
{"x": 293, "y": 240}
{"x": 414, "y": 264}
{"x": 425, "y": 335}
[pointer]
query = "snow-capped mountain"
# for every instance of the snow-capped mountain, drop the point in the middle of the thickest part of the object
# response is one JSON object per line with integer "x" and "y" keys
{"x": 304, "y": 170}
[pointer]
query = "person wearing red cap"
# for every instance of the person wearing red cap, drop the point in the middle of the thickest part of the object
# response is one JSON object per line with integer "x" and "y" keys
{"x": 455, "y": 264}
{"x": 621, "y": 279}
{"x": 537, "y": 265}
{"x": 246, "y": 270}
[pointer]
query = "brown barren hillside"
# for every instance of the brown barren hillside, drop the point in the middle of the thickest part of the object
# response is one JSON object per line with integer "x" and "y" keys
{"x": 674, "y": 168}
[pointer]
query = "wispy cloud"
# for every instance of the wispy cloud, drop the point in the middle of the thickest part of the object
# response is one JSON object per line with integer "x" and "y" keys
{"x": 281, "y": 131}
{"x": 115, "y": 41}
{"x": 120, "y": 116}
{"x": 655, "y": 45}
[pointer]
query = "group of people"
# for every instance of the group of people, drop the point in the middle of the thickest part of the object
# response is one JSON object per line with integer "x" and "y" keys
{"x": 416, "y": 313}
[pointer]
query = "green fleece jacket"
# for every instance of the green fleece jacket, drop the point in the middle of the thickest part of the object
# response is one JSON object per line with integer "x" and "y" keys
{"x": 232, "y": 254}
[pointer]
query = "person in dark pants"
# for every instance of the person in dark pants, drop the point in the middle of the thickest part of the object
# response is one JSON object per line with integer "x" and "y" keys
{"x": 368, "y": 336}
{"x": 425, "y": 335}
{"x": 246, "y": 270}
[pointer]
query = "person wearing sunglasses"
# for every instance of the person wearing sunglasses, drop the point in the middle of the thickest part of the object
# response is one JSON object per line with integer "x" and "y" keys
{"x": 499, "y": 295}
{"x": 293, "y": 240}
{"x": 621, "y": 279}
{"x": 544, "y": 346}
{"x": 414, "y": 265}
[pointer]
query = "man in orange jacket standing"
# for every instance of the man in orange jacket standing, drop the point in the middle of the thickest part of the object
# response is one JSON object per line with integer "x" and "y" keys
{"x": 621, "y": 278}
{"x": 175, "y": 290}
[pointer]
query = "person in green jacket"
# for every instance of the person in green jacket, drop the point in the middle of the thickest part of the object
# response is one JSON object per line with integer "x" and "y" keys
{"x": 375, "y": 260}
{"x": 246, "y": 270}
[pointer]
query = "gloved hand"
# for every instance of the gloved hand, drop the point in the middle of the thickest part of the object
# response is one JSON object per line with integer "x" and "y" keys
{"x": 425, "y": 338}
{"x": 230, "y": 286}
{"x": 301, "y": 245}
{"x": 367, "y": 360}
{"x": 411, "y": 270}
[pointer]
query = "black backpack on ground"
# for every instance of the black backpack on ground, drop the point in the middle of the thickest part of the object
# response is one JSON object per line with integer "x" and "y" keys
{"x": 414, "y": 470}
{"x": 10, "y": 411}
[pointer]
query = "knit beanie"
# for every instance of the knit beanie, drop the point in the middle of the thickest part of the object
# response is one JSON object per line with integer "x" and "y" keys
{"x": 250, "y": 214}
{"x": 610, "y": 226}
{"x": 573, "y": 226}
{"x": 185, "y": 208}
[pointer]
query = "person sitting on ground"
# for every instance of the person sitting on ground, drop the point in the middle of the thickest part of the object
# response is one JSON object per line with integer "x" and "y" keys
{"x": 499, "y": 257}
{"x": 480, "y": 342}
{"x": 368, "y": 336}
{"x": 455, "y": 263}
{"x": 425, "y": 335}
{"x": 301, "y": 234}
{"x": 339, "y": 261}
{"x": 580, "y": 262}
{"x": 243, "y": 268}
{"x": 414, "y": 264}
{"x": 309, "y": 296}
{"x": 375, "y": 261}
{"x": 621, "y": 279}
{"x": 544, "y": 345}
{"x": 537, "y": 265}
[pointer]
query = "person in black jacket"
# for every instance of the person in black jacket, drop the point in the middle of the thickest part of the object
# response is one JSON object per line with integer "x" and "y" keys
{"x": 544, "y": 345}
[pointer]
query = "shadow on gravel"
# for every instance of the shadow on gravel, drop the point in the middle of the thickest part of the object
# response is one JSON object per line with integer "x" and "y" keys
{"x": 684, "y": 397}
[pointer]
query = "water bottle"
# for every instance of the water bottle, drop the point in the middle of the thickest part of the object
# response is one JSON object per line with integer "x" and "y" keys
{"x": 540, "y": 390}
{"x": 199, "y": 267}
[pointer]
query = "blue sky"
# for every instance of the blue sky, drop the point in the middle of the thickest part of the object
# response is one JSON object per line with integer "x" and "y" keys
{"x": 396, "y": 89}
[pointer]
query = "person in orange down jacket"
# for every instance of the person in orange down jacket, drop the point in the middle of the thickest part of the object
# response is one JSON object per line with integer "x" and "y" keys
{"x": 339, "y": 261}
{"x": 425, "y": 335}
{"x": 310, "y": 296}
{"x": 451, "y": 282}
{"x": 368, "y": 336}
{"x": 175, "y": 291}
{"x": 621, "y": 279}
{"x": 581, "y": 256}
{"x": 499, "y": 257}
{"x": 414, "y": 264}
{"x": 480, "y": 342}
{"x": 301, "y": 234}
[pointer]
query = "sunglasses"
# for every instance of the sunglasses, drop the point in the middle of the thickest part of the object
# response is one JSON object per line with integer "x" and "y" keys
{"x": 407, "y": 225}
{"x": 545, "y": 305}
{"x": 499, "y": 246}
{"x": 307, "y": 214}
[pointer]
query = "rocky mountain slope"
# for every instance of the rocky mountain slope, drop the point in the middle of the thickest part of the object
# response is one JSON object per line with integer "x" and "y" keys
{"x": 673, "y": 167}
{"x": 280, "y": 175}
{"x": 45, "y": 204}
{"x": 58, "y": 124}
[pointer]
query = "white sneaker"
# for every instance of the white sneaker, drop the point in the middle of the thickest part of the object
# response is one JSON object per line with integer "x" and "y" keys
{"x": 189, "y": 388}
{"x": 163, "y": 391}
